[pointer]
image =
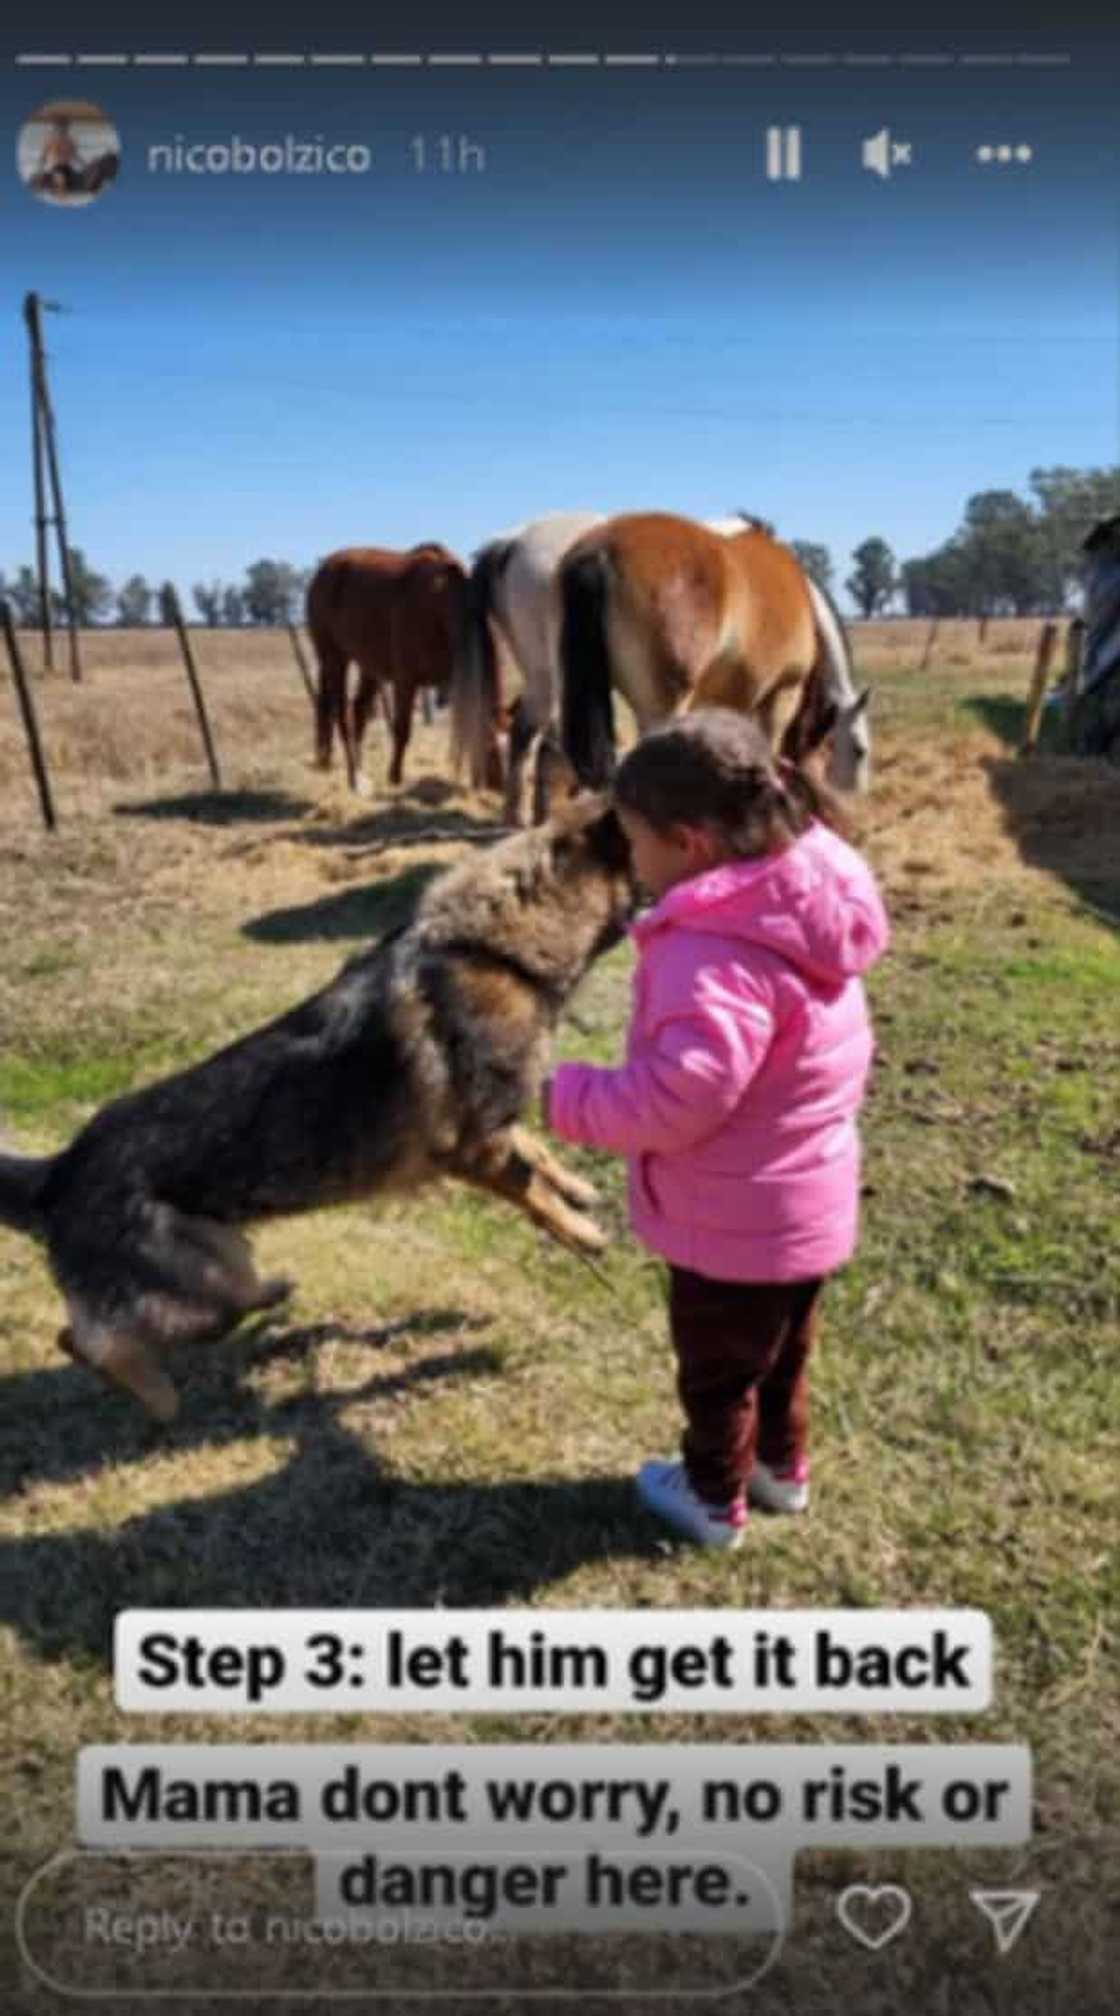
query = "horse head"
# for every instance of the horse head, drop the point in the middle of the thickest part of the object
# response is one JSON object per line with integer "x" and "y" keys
{"x": 850, "y": 767}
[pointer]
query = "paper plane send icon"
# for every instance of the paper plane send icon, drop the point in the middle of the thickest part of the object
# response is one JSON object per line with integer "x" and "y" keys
{"x": 1006, "y": 1911}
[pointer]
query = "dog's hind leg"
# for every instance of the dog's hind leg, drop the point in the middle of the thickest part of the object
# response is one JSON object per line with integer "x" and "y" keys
{"x": 229, "y": 1272}
{"x": 122, "y": 1358}
{"x": 509, "y": 1166}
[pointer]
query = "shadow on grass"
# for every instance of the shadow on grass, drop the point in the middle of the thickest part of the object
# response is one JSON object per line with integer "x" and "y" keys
{"x": 1063, "y": 814}
{"x": 409, "y": 819}
{"x": 219, "y": 808}
{"x": 61, "y": 1422}
{"x": 1002, "y": 713}
{"x": 364, "y": 912}
{"x": 334, "y": 1527}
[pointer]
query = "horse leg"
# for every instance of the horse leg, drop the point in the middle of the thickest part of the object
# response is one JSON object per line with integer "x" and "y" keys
{"x": 364, "y": 700}
{"x": 544, "y": 780}
{"x": 524, "y": 742}
{"x": 404, "y": 694}
{"x": 330, "y": 700}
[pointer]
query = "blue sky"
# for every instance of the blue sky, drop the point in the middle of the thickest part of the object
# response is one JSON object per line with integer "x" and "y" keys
{"x": 620, "y": 312}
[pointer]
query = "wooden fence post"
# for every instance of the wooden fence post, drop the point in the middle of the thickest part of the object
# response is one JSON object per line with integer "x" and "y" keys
{"x": 196, "y": 693}
{"x": 931, "y": 639}
{"x": 1040, "y": 680}
{"x": 301, "y": 661}
{"x": 27, "y": 710}
{"x": 1075, "y": 651}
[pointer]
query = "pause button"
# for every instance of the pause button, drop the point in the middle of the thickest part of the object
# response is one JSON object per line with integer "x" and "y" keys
{"x": 783, "y": 153}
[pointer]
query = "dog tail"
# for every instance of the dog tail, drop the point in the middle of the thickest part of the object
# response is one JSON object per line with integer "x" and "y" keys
{"x": 586, "y": 709}
{"x": 23, "y": 1180}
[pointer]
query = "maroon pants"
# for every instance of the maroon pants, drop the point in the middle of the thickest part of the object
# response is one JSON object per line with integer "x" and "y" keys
{"x": 742, "y": 1350}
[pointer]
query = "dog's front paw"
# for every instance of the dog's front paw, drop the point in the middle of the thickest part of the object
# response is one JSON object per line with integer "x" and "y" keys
{"x": 578, "y": 1191}
{"x": 584, "y": 1234}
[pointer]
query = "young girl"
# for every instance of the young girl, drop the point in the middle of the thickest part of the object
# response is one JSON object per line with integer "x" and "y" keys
{"x": 747, "y": 1057}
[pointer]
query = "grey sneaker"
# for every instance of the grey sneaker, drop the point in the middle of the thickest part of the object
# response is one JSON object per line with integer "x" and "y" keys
{"x": 780, "y": 1490}
{"x": 665, "y": 1489}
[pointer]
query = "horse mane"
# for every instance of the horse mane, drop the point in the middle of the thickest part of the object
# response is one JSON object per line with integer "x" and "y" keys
{"x": 754, "y": 523}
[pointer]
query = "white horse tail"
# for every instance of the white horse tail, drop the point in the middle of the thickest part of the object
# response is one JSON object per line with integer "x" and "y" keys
{"x": 586, "y": 705}
{"x": 476, "y": 696}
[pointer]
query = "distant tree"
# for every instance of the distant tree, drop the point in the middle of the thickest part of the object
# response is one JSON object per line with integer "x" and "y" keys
{"x": 134, "y": 602}
{"x": 23, "y": 594}
{"x": 168, "y": 599}
{"x": 208, "y": 602}
{"x": 233, "y": 608}
{"x": 272, "y": 591}
{"x": 1069, "y": 503}
{"x": 816, "y": 560}
{"x": 93, "y": 595}
{"x": 1001, "y": 540}
{"x": 874, "y": 580}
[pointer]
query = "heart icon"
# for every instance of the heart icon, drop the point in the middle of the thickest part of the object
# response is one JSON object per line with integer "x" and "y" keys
{"x": 874, "y": 1913}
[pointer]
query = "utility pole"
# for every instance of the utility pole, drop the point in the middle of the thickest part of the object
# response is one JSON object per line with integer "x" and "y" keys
{"x": 44, "y": 449}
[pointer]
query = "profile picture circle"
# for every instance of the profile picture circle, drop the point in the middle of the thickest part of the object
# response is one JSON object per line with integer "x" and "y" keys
{"x": 68, "y": 152}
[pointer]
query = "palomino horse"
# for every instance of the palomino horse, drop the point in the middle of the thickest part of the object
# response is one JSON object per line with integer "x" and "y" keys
{"x": 512, "y": 601}
{"x": 675, "y": 615}
{"x": 401, "y": 616}
{"x": 515, "y": 587}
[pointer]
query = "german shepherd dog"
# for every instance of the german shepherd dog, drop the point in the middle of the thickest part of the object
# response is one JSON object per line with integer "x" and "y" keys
{"x": 415, "y": 1063}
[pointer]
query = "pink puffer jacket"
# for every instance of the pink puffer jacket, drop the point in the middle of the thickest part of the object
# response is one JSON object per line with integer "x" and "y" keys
{"x": 747, "y": 1057}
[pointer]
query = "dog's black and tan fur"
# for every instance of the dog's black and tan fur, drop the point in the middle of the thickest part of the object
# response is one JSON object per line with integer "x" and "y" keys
{"x": 416, "y": 1062}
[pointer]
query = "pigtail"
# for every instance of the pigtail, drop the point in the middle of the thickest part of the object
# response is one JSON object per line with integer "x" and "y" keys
{"x": 807, "y": 799}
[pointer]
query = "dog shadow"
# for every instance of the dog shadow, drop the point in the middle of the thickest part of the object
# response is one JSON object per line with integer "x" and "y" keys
{"x": 334, "y": 1527}
{"x": 60, "y": 1423}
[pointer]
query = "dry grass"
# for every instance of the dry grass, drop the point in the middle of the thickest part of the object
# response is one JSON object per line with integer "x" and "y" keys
{"x": 452, "y": 1412}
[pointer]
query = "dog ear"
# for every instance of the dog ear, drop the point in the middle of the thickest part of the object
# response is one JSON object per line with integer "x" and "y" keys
{"x": 607, "y": 842}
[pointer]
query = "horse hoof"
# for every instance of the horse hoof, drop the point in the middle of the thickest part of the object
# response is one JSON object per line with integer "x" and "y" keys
{"x": 362, "y": 786}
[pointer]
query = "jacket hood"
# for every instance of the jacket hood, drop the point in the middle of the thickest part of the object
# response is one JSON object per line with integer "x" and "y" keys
{"x": 815, "y": 905}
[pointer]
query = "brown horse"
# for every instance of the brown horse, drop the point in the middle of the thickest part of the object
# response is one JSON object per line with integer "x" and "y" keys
{"x": 401, "y": 617}
{"x": 676, "y": 615}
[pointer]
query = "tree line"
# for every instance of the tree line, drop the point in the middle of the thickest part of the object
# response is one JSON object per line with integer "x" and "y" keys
{"x": 1009, "y": 556}
{"x": 271, "y": 592}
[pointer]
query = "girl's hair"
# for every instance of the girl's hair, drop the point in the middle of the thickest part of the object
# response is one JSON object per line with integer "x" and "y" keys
{"x": 715, "y": 768}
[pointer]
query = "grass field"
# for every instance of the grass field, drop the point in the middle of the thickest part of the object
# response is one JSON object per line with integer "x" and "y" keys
{"x": 452, "y": 1411}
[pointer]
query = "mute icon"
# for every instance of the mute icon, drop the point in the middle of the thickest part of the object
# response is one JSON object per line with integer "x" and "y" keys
{"x": 882, "y": 153}
{"x": 1007, "y": 1912}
